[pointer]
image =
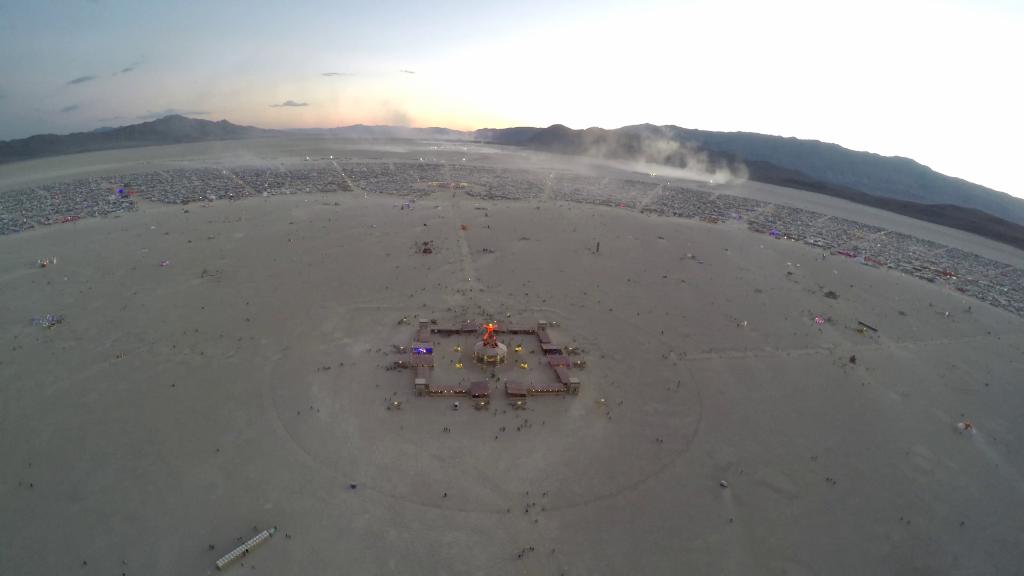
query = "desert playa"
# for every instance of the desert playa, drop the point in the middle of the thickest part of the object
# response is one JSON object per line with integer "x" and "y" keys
{"x": 751, "y": 402}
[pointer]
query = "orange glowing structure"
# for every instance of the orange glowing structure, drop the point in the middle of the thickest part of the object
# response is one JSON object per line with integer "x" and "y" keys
{"x": 488, "y": 350}
{"x": 490, "y": 340}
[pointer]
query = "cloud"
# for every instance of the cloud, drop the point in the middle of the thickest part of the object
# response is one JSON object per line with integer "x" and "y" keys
{"x": 128, "y": 68}
{"x": 289, "y": 104}
{"x": 337, "y": 74}
{"x": 70, "y": 108}
{"x": 82, "y": 79}
{"x": 170, "y": 112}
{"x": 407, "y": 71}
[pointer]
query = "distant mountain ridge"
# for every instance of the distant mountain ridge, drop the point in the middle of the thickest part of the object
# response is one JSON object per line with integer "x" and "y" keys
{"x": 171, "y": 129}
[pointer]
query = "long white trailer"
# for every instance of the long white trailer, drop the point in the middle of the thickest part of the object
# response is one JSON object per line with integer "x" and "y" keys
{"x": 245, "y": 548}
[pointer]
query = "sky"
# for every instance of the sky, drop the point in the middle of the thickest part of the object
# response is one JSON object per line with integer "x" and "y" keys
{"x": 936, "y": 81}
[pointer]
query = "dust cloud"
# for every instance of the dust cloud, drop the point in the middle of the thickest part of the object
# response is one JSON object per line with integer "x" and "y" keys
{"x": 648, "y": 149}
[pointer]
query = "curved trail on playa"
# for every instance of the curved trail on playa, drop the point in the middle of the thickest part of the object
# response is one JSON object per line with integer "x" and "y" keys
{"x": 473, "y": 286}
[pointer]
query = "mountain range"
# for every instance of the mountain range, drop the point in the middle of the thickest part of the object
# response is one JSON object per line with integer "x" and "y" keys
{"x": 172, "y": 129}
{"x": 891, "y": 183}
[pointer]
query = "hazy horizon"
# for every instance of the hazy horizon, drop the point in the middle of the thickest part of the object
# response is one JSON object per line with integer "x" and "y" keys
{"x": 923, "y": 80}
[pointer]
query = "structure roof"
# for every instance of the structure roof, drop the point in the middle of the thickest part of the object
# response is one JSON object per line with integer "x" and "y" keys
{"x": 516, "y": 388}
{"x": 418, "y": 360}
{"x": 452, "y": 387}
{"x": 562, "y": 373}
{"x": 547, "y": 387}
{"x": 480, "y": 388}
{"x": 559, "y": 360}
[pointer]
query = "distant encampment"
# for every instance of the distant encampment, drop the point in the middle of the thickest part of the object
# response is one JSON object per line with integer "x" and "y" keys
{"x": 896, "y": 184}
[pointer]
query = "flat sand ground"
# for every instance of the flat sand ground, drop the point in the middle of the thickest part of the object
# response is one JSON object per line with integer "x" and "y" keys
{"x": 242, "y": 386}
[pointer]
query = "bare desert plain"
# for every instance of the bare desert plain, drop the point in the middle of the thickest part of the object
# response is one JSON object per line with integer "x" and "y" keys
{"x": 224, "y": 366}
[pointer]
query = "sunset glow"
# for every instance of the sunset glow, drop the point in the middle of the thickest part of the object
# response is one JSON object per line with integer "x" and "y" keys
{"x": 927, "y": 80}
